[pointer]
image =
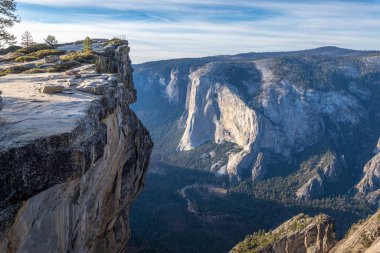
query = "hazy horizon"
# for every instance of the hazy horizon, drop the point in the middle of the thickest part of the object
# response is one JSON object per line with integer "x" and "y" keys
{"x": 182, "y": 29}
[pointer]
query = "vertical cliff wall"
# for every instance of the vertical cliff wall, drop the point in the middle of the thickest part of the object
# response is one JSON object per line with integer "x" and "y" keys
{"x": 70, "y": 163}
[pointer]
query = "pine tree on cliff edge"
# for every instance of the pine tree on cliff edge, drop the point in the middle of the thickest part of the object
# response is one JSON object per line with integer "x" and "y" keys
{"x": 7, "y": 19}
{"x": 87, "y": 45}
{"x": 27, "y": 39}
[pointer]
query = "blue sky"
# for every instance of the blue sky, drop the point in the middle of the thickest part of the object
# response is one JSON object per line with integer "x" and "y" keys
{"x": 191, "y": 28}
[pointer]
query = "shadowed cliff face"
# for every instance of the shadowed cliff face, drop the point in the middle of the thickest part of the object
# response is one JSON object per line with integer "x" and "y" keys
{"x": 312, "y": 112}
{"x": 71, "y": 163}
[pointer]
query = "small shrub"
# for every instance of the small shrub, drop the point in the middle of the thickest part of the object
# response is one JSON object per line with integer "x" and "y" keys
{"x": 45, "y": 52}
{"x": 115, "y": 42}
{"x": 31, "y": 49}
{"x": 26, "y": 58}
{"x": 14, "y": 70}
{"x": 35, "y": 71}
{"x": 64, "y": 66}
{"x": 87, "y": 45}
{"x": 84, "y": 57}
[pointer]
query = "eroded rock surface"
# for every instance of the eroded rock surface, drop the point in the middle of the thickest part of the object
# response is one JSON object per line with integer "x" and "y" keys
{"x": 71, "y": 163}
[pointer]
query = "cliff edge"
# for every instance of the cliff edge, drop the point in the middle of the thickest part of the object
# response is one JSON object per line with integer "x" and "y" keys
{"x": 73, "y": 157}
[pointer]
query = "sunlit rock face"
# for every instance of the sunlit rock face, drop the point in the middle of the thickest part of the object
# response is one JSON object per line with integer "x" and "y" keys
{"x": 71, "y": 163}
{"x": 362, "y": 237}
{"x": 299, "y": 234}
{"x": 314, "y": 234}
{"x": 277, "y": 109}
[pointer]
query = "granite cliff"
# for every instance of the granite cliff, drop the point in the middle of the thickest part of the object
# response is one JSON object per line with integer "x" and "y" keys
{"x": 307, "y": 116}
{"x": 73, "y": 157}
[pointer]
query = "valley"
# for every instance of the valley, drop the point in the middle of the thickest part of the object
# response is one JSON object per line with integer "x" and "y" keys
{"x": 281, "y": 133}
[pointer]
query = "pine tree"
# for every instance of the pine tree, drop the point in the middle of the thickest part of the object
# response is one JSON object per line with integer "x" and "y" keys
{"x": 87, "y": 45}
{"x": 27, "y": 39}
{"x": 7, "y": 20}
{"x": 51, "y": 40}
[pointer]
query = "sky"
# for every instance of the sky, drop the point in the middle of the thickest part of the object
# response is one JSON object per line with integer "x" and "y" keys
{"x": 166, "y": 29}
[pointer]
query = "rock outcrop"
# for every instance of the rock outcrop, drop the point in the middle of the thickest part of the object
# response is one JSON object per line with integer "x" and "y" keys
{"x": 362, "y": 237}
{"x": 369, "y": 185}
{"x": 115, "y": 59}
{"x": 70, "y": 163}
{"x": 259, "y": 169}
{"x": 298, "y": 235}
{"x": 314, "y": 235}
{"x": 327, "y": 169}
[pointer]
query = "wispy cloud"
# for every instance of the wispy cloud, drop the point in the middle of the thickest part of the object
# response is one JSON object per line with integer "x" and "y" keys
{"x": 174, "y": 28}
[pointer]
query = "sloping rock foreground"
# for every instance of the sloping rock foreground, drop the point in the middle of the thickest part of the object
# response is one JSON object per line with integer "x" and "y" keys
{"x": 71, "y": 160}
{"x": 314, "y": 235}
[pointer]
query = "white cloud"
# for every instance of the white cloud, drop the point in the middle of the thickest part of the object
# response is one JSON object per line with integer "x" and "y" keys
{"x": 300, "y": 26}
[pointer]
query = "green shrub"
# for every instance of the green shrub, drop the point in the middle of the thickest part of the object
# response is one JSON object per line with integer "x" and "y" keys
{"x": 64, "y": 66}
{"x": 31, "y": 49}
{"x": 45, "y": 52}
{"x": 35, "y": 71}
{"x": 87, "y": 45}
{"x": 26, "y": 58}
{"x": 115, "y": 42}
{"x": 9, "y": 49}
{"x": 14, "y": 70}
{"x": 84, "y": 57}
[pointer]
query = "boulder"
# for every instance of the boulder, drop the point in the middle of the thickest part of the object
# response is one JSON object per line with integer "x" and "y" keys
{"x": 51, "y": 59}
{"x": 95, "y": 87}
{"x": 52, "y": 88}
{"x": 46, "y": 65}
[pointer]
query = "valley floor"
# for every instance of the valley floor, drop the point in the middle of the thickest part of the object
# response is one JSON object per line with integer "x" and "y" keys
{"x": 183, "y": 210}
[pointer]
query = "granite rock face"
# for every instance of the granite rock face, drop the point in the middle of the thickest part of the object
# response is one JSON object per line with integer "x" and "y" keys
{"x": 362, "y": 237}
{"x": 327, "y": 169}
{"x": 115, "y": 59}
{"x": 70, "y": 163}
{"x": 298, "y": 235}
{"x": 289, "y": 107}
